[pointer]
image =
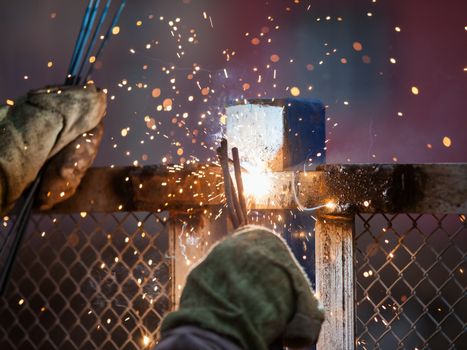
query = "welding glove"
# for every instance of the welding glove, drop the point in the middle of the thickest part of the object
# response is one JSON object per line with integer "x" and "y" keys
{"x": 49, "y": 124}
{"x": 251, "y": 290}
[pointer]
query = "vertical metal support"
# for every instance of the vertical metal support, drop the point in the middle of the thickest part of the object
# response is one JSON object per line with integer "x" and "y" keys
{"x": 335, "y": 280}
{"x": 191, "y": 238}
{"x": 171, "y": 254}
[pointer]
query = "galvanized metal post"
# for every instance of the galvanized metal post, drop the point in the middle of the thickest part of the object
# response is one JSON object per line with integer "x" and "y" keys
{"x": 335, "y": 280}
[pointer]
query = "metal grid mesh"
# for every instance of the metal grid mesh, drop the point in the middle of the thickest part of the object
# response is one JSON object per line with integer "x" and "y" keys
{"x": 88, "y": 281}
{"x": 410, "y": 283}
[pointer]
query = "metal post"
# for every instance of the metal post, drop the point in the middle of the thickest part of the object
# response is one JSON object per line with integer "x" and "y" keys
{"x": 191, "y": 237}
{"x": 335, "y": 280}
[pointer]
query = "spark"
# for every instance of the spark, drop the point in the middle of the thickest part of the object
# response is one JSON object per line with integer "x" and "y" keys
{"x": 156, "y": 92}
{"x": 295, "y": 91}
{"x": 146, "y": 340}
{"x": 447, "y": 141}
{"x": 256, "y": 183}
{"x": 274, "y": 58}
{"x": 357, "y": 46}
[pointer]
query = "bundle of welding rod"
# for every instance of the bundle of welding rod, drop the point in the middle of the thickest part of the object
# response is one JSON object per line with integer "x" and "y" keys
{"x": 77, "y": 73}
{"x": 236, "y": 204}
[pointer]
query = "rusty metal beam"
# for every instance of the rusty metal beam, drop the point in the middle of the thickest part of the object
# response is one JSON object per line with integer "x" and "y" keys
{"x": 398, "y": 188}
{"x": 149, "y": 188}
{"x": 364, "y": 188}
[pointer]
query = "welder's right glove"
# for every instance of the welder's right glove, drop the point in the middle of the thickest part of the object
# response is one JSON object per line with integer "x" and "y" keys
{"x": 251, "y": 290}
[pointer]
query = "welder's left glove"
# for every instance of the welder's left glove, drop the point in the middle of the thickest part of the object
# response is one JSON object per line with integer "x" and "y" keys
{"x": 48, "y": 124}
{"x": 64, "y": 172}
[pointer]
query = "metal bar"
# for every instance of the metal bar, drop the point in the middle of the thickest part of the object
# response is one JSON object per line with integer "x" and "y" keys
{"x": 19, "y": 230}
{"x": 365, "y": 188}
{"x": 238, "y": 179}
{"x": 222, "y": 151}
{"x": 236, "y": 203}
{"x": 398, "y": 188}
{"x": 104, "y": 13}
{"x": 335, "y": 281}
{"x": 84, "y": 24}
{"x": 84, "y": 40}
{"x": 115, "y": 20}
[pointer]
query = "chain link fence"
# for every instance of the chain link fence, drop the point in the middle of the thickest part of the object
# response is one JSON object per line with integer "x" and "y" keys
{"x": 88, "y": 281}
{"x": 104, "y": 281}
{"x": 410, "y": 283}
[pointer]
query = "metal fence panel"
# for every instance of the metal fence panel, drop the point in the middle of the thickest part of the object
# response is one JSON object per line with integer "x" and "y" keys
{"x": 88, "y": 281}
{"x": 410, "y": 283}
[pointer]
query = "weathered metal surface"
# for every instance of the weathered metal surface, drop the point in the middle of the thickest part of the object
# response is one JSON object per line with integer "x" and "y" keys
{"x": 309, "y": 190}
{"x": 150, "y": 188}
{"x": 397, "y": 188}
{"x": 260, "y": 150}
{"x": 422, "y": 188}
{"x": 335, "y": 281}
{"x": 292, "y": 132}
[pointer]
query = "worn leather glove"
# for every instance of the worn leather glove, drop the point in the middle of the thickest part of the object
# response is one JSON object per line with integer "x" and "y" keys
{"x": 49, "y": 124}
{"x": 251, "y": 290}
{"x": 64, "y": 172}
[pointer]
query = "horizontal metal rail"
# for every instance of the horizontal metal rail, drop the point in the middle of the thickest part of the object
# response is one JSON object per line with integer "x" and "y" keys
{"x": 363, "y": 188}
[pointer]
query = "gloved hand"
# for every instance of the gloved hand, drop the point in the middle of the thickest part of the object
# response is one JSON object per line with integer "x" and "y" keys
{"x": 251, "y": 290}
{"x": 64, "y": 172}
{"x": 38, "y": 127}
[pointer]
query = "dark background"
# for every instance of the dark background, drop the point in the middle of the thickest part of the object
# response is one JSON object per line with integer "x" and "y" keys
{"x": 430, "y": 52}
